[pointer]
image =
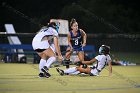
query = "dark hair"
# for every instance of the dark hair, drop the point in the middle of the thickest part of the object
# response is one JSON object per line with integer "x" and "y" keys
{"x": 72, "y": 21}
{"x": 52, "y": 24}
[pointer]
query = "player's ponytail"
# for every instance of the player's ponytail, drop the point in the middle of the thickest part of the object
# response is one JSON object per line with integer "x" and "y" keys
{"x": 72, "y": 21}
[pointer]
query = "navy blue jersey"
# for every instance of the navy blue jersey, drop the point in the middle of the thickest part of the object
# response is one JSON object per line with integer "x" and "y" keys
{"x": 76, "y": 41}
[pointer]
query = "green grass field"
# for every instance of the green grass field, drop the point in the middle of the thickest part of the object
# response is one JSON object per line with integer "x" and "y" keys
{"x": 23, "y": 78}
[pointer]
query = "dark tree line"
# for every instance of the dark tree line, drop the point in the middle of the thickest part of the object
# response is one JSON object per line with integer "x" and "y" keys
{"x": 94, "y": 16}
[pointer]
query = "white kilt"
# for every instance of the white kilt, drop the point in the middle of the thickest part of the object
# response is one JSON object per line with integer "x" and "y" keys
{"x": 40, "y": 44}
{"x": 95, "y": 72}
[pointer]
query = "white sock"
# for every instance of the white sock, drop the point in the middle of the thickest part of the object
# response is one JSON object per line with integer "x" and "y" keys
{"x": 75, "y": 73}
{"x": 50, "y": 61}
{"x": 42, "y": 64}
{"x": 70, "y": 70}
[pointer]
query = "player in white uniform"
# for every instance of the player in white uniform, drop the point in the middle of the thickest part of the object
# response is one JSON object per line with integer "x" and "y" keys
{"x": 102, "y": 59}
{"x": 42, "y": 46}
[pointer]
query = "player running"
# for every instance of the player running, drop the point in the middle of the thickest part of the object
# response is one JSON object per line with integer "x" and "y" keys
{"x": 76, "y": 42}
{"x": 102, "y": 59}
{"x": 42, "y": 46}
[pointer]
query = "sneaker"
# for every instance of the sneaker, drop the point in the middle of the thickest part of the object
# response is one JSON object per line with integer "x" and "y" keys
{"x": 41, "y": 75}
{"x": 60, "y": 71}
{"x": 46, "y": 73}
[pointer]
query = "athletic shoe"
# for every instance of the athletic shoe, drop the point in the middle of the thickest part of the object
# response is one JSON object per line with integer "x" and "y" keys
{"x": 46, "y": 73}
{"x": 41, "y": 75}
{"x": 60, "y": 71}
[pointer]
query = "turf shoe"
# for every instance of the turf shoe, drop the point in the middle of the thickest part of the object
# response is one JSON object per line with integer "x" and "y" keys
{"x": 41, "y": 75}
{"x": 60, "y": 71}
{"x": 46, "y": 73}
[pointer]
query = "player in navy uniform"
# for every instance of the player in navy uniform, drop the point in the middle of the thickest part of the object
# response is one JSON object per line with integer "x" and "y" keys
{"x": 76, "y": 42}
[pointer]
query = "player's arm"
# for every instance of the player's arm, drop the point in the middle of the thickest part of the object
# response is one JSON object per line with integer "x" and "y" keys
{"x": 84, "y": 37}
{"x": 89, "y": 62}
{"x": 110, "y": 67}
{"x": 69, "y": 41}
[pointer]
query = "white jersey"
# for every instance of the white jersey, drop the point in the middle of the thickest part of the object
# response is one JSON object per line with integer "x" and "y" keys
{"x": 37, "y": 42}
{"x": 45, "y": 32}
{"x": 102, "y": 60}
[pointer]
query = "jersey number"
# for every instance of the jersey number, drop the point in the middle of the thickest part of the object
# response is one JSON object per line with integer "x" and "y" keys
{"x": 76, "y": 42}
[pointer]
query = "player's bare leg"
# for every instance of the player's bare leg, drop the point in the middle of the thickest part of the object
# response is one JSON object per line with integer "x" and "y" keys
{"x": 68, "y": 54}
{"x": 81, "y": 55}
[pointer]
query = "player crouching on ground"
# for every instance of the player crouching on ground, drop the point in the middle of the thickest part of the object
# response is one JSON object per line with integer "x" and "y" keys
{"x": 102, "y": 60}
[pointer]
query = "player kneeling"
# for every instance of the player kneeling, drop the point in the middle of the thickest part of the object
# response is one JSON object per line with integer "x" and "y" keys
{"x": 102, "y": 59}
